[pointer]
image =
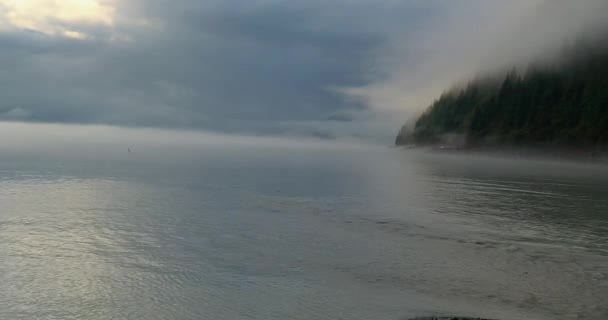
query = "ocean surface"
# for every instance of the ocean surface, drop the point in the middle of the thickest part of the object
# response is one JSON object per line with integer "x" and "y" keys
{"x": 282, "y": 230}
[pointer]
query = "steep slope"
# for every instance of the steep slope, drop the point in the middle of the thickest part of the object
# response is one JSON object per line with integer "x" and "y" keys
{"x": 565, "y": 104}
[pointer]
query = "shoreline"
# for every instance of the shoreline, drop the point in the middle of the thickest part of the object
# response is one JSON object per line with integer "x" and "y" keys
{"x": 586, "y": 155}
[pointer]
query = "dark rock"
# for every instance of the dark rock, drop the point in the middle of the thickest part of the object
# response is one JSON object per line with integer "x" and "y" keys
{"x": 447, "y": 318}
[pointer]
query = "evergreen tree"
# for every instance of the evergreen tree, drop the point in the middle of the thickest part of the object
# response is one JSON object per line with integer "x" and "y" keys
{"x": 567, "y": 104}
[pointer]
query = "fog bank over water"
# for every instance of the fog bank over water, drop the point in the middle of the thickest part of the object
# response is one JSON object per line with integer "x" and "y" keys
{"x": 18, "y": 136}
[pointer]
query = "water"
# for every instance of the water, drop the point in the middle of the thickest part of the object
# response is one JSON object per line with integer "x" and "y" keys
{"x": 281, "y": 231}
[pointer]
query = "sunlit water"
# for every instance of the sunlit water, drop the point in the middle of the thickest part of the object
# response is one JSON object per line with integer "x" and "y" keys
{"x": 298, "y": 232}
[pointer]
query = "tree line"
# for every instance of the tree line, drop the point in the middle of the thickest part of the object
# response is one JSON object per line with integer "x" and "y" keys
{"x": 566, "y": 104}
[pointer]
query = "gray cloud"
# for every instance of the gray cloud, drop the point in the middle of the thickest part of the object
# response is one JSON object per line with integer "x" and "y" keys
{"x": 218, "y": 65}
{"x": 262, "y": 67}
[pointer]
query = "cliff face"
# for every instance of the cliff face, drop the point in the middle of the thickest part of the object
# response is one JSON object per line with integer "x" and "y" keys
{"x": 561, "y": 105}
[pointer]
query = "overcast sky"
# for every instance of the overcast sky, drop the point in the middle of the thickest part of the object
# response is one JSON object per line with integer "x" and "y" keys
{"x": 315, "y": 67}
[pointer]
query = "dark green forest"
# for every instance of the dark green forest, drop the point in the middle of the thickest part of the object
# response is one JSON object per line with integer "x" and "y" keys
{"x": 565, "y": 104}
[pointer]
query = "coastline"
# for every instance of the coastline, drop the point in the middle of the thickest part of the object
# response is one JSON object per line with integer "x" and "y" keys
{"x": 578, "y": 154}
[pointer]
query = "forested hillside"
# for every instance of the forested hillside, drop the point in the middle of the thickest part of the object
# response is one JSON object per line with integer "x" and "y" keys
{"x": 564, "y": 104}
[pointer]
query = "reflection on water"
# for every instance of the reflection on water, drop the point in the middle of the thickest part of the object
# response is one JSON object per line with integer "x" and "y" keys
{"x": 300, "y": 233}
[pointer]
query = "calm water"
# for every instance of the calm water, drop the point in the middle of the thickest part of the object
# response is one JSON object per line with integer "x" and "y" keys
{"x": 298, "y": 232}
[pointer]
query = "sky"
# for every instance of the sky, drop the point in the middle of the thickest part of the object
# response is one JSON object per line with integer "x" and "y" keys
{"x": 322, "y": 68}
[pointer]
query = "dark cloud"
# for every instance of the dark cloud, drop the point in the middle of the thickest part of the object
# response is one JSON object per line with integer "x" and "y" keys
{"x": 228, "y": 66}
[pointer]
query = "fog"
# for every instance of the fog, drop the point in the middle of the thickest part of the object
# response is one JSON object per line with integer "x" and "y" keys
{"x": 103, "y": 139}
{"x": 475, "y": 39}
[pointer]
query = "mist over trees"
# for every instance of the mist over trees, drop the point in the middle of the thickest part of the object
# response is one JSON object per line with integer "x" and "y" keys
{"x": 563, "y": 104}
